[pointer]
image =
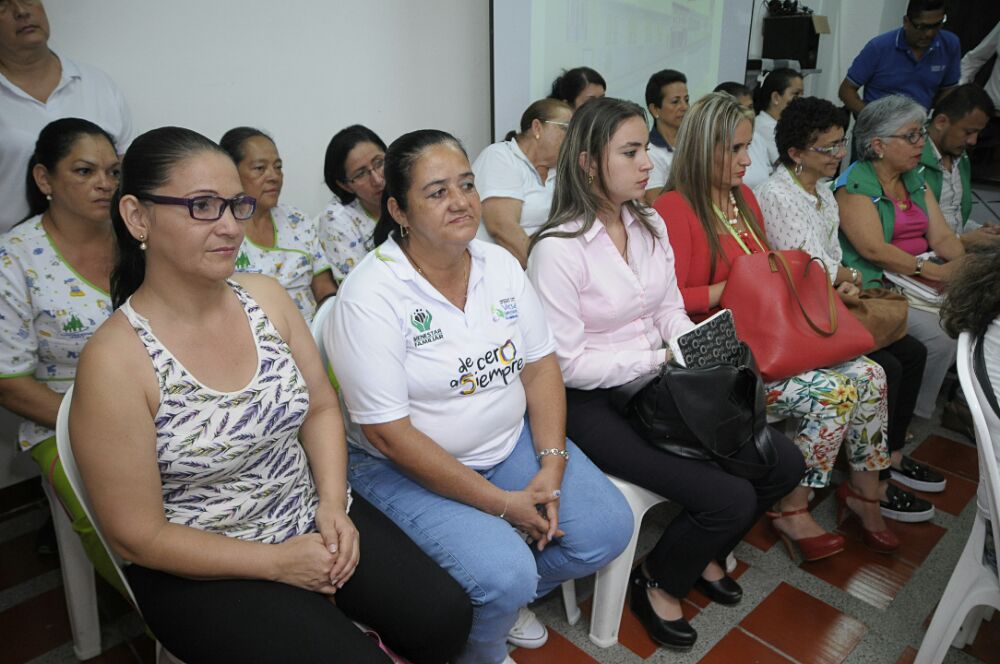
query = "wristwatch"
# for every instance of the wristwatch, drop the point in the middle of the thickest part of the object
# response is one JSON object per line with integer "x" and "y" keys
{"x": 920, "y": 266}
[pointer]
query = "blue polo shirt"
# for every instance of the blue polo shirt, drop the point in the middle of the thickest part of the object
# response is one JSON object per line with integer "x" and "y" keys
{"x": 886, "y": 66}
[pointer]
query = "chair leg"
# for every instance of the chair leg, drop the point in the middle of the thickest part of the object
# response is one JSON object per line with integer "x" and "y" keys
{"x": 947, "y": 619}
{"x": 569, "y": 601}
{"x": 610, "y": 588}
{"x": 78, "y": 582}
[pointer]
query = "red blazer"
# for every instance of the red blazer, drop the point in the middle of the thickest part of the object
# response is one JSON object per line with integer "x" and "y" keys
{"x": 691, "y": 254}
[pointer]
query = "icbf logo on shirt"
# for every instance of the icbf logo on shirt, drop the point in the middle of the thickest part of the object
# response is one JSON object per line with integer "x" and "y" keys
{"x": 421, "y": 320}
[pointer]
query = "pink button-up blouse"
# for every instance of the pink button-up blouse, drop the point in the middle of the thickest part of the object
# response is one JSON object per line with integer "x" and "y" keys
{"x": 610, "y": 318}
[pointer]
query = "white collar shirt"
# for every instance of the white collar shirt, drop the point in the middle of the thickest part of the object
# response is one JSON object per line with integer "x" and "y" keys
{"x": 951, "y": 191}
{"x": 83, "y": 92}
{"x": 763, "y": 150}
{"x": 611, "y": 318}
{"x": 504, "y": 171}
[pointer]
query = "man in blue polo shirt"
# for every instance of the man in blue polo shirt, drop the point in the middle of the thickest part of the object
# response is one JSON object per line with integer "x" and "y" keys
{"x": 918, "y": 60}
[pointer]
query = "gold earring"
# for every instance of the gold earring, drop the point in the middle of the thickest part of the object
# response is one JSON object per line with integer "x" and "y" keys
{"x": 590, "y": 179}
{"x": 798, "y": 168}
{"x": 403, "y": 231}
{"x": 142, "y": 242}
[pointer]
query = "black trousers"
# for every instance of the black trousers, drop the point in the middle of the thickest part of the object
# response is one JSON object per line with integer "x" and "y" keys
{"x": 903, "y": 362}
{"x": 415, "y": 606}
{"x": 718, "y": 508}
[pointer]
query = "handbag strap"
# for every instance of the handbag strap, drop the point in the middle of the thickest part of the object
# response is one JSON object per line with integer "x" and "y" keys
{"x": 979, "y": 366}
{"x": 778, "y": 262}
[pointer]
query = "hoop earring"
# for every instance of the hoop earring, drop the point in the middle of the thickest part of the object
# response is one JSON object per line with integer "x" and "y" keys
{"x": 403, "y": 231}
{"x": 798, "y": 168}
{"x": 142, "y": 243}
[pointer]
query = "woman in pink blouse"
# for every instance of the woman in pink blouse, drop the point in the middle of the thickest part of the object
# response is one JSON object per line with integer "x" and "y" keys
{"x": 604, "y": 271}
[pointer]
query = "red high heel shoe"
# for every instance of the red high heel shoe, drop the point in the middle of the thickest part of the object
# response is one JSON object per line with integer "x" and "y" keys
{"x": 809, "y": 548}
{"x": 883, "y": 541}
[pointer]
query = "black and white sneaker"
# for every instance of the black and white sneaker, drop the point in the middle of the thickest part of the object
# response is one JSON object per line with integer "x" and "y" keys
{"x": 919, "y": 477}
{"x": 904, "y": 506}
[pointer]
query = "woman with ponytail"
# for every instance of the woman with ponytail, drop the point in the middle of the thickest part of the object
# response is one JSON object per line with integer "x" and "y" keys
{"x": 220, "y": 472}
{"x": 516, "y": 177}
{"x": 55, "y": 269}
{"x": 775, "y": 92}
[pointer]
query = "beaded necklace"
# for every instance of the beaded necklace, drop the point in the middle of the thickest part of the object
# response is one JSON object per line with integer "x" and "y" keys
{"x": 730, "y": 223}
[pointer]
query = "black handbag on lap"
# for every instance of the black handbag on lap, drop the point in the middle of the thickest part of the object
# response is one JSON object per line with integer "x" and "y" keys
{"x": 708, "y": 413}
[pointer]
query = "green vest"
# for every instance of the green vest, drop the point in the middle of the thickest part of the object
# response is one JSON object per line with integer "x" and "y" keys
{"x": 860, "y": 178}
{"x": 931, "y": 168}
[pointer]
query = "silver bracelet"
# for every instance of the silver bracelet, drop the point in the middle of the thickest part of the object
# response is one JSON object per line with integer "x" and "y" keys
{"x": 552, "y": 451}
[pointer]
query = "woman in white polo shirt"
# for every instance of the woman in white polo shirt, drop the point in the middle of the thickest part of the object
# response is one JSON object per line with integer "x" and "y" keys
{"x": 515, "y": 178}
{"x": 441, "y": 348}
{"x": 775, "y": 92}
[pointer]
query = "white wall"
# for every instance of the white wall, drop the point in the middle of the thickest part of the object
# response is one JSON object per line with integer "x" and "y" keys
{"x": 299, "y": 69}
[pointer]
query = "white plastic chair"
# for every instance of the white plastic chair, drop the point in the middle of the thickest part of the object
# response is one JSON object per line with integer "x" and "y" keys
{"x": 611, "y": 584}
{"x": 78, "y": 581}
{"x": 318, "y": 325}
{"x": 73, "y": 475}
{"x": 973, "y": 589}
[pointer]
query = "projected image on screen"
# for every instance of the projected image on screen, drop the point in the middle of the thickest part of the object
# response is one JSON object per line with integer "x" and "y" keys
{"x": 625, "y": 40}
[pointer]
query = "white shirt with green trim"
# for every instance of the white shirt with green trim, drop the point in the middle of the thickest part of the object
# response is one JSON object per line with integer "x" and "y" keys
{"x": 47, "y": 314}
{"x": 294, "y": 259}
{"x": 400, "y": 349}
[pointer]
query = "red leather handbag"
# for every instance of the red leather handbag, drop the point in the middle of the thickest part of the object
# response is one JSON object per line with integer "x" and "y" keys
{"x": 785, "y": 309}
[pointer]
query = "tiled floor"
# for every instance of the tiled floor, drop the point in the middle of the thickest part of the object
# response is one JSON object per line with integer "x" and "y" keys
{"x": 858, "y": 606}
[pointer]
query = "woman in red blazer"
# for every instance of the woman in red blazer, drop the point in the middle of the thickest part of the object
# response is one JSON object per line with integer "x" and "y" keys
{"x": 712, "y": 219}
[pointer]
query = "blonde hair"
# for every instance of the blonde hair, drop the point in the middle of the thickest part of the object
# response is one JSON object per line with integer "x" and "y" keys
{"x": 710, "y": 123}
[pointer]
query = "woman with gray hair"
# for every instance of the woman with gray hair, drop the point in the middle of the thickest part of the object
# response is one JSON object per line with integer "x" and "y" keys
{"x": 891, "y": 222}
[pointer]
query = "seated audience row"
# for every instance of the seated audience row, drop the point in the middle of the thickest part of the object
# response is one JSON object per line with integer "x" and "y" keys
{"x": 604, "y": 271}
{"x": 228, "y": 496}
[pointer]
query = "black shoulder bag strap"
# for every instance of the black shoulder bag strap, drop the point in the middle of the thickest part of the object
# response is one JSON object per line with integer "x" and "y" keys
{"x": 979, "y": 366}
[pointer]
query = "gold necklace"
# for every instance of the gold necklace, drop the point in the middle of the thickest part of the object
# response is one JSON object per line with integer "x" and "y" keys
{"x": 420, "y": 271}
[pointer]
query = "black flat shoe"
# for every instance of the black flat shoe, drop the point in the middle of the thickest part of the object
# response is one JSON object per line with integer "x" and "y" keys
{"x": 724, "y": 591}
{"x": 674, "y": 634}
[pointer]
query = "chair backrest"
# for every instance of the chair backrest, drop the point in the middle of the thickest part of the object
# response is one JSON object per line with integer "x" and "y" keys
{"x": 319, "y": 324}
{"x": 68, "y": 462}
{"x": 982, "y": 418}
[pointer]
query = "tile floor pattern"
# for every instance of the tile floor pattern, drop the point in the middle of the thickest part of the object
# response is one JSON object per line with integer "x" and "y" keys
{"x": 856, "y": 607}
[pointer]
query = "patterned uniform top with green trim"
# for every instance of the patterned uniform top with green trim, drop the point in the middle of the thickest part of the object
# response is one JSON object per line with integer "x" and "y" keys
{"x": 47, "y": 314}
{"x": 345, "y": 231}
{"x": 231, "y": 462}
{"x": 294, "y": 259}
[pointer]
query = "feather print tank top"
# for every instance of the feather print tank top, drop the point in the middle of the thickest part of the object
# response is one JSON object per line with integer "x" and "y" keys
{"x": 231, "y": 462}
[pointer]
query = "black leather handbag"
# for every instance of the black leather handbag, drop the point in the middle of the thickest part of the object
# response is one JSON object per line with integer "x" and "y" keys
{"x": 708, "y": 413}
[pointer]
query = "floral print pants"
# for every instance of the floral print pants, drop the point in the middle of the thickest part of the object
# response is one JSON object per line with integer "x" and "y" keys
{"x": 843, "y": 403}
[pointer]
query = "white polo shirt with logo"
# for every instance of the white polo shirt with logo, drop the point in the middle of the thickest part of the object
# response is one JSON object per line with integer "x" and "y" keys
{"x": 399, "y": 349}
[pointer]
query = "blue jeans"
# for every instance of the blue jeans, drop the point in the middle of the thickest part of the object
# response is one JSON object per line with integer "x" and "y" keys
{"x": 484, "y": 553}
